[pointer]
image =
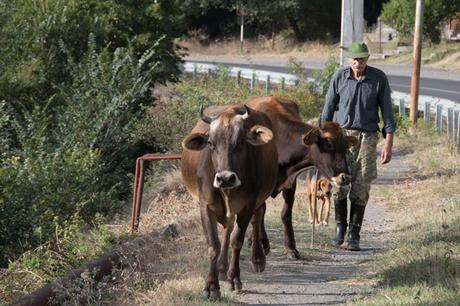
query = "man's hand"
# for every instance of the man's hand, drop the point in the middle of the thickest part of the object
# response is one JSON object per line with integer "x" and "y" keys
{"x": 385, "y": 156}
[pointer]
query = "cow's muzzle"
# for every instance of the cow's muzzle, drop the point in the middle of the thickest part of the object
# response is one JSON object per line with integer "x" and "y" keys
{"x": 342, "y": 179}
{"x": 226, "y": 179}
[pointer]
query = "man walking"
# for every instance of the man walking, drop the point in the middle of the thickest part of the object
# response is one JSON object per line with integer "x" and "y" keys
{"x": 355, "y": 95}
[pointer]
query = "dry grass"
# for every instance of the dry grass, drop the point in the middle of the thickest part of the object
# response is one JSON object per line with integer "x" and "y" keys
{"x": 263, "y": 47}
{"x": 171, "y": 271}
{"x": 422, "y": 265}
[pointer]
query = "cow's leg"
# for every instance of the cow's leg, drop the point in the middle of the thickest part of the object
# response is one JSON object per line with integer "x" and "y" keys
{"x": 286, "y": 218}
{"x": 209, "y": 223}
{"x": 237, "y": 240}
{"x": 258, "y": 253}
{"x": 222, "y": 262}
{"x": 263, "y": 235}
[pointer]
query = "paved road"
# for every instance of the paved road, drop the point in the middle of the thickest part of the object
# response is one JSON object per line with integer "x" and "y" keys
{"x": 436, "y": 83}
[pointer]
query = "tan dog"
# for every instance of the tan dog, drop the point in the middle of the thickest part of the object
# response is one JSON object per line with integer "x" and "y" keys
{"x": 323, "y": 193}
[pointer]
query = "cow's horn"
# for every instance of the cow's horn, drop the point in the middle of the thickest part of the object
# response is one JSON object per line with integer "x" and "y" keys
{"x": 206, "y": 119}
{"x": 246, "y": 113}
{"x": 347, "y": 123}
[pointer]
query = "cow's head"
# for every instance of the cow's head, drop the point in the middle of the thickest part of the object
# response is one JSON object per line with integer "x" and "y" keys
{"x": 327, "y": 150}
{"x": 228, "y": 140}
{"x": 325, "y": 187}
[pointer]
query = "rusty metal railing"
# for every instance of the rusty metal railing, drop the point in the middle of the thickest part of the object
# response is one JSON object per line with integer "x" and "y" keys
{"x": 139, "y": 185}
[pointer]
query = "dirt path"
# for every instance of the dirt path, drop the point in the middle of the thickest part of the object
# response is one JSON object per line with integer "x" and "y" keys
{"x": 321, "y": 280}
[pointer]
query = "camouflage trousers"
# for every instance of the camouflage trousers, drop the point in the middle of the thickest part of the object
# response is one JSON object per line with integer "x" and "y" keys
{"x": 362, "y": 162}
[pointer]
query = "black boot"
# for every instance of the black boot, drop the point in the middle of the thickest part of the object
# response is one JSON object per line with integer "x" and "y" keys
{"x": 356, "y": 220}
{"x": 341, "y": 221}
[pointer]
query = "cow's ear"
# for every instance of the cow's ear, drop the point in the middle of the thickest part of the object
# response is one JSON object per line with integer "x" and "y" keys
{"x": 196, "y": 141}
{"x": 310, "y": 138}
{"x": 259, "y": 135}
{"x": 351, "y": 140}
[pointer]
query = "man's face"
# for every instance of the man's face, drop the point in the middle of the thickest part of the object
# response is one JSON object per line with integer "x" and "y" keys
{"x": 358, "y": 64}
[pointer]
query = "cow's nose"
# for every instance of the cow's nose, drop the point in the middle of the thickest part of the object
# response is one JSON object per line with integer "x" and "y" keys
{"x": 342, "y": 179}
{"x": 345, "y": 178}
{"x": 328, "y": 194}
{"x": 226, "y": 179}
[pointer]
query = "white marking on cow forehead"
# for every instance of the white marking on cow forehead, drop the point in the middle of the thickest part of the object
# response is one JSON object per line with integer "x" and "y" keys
{"x": 236, "y": 122}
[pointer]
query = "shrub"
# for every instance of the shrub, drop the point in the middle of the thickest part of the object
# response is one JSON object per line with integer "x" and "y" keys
{"x": 72, "y": 159}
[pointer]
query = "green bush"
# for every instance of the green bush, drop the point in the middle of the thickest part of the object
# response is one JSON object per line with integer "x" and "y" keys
{"x": 71, "y": 156}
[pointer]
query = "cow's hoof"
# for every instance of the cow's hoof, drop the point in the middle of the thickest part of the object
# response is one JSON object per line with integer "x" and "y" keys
{"x": 325, "y": 223}
{"x": 258, "y": 265}
{"x": 293, "y": 254}
{"x": 212, "y": 294}
{"x": 236, "y": 284}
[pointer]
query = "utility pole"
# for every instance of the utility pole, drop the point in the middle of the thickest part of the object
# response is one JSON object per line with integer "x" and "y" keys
{"x": 242, "y": 33}
{"x": 351, "y": 26}
{"x": 415, "y": 81}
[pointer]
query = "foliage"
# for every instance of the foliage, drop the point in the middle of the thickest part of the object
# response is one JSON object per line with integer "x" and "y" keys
{"x": 400, "y": 14}
{"x": 170, "y": 122}
{"x": 73, "y": 245}
{"x": 308, "y": 20}
{"x": 33, "y": 32}
{"x": 73, "y": 160}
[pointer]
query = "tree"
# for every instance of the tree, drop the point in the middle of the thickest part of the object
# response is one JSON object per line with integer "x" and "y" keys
{"x": 400, "y": 14}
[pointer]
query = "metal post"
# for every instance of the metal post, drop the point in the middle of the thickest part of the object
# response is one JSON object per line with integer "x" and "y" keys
{"x": 450, "y": 123}
{"x": 380, "y": 35}
{"x": 458, "y": 134}
{"x": 456, "y": 127}
{"x": 195, "y": 72}
{"x": 402, "y": 108}
{"x": 415, "y": 81}
{"x": 427, "y": 113}
{"x": 283, "y": 83}
{"x": 267, "y": 85}
{"x": 253, "y": 81}
{"x": 238, "y": 77}
{"x": 438, "y": 118}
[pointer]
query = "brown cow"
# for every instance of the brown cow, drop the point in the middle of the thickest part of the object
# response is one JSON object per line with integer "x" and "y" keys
{"x": 229, "y": 164}
{"x": 323, "y": 147}
{"x": 323, "y": 194}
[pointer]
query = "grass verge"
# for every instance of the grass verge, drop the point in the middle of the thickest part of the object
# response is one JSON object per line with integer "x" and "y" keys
{"x": 421, "y": 266}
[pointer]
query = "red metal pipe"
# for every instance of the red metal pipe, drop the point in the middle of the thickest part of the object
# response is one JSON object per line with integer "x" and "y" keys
{"x": 139, "y": 185}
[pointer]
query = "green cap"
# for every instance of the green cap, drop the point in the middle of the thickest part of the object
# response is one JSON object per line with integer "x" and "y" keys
{"x": 357, "y": 50}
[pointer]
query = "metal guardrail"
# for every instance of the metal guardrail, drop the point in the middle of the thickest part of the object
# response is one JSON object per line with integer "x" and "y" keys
{"x": 445, "y": 113}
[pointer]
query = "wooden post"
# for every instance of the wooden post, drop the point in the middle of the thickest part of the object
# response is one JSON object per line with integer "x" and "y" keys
{"x": 438, "y": 118}
{"x": 282, "y": 84}
{"x": 415, "y": 81}
{"x": 427, "y": 113}
{"x": 238, "y": 77}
